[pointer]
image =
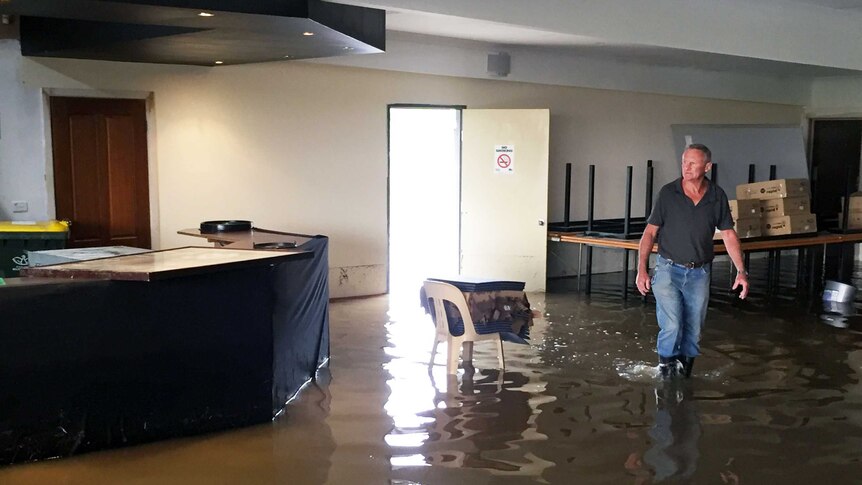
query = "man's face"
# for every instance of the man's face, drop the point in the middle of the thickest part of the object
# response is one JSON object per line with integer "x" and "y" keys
{"x": 694, "y": 165}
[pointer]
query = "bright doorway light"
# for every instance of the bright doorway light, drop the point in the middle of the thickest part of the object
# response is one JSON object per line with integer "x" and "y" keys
{"x": 424, "y": 199}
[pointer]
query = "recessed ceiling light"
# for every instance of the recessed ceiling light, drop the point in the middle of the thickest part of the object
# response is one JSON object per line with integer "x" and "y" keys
{"x": 219, "y": 62}
{"x": 286, "y": 57}
{"x": 308, "y": 33}
{"x": 348, "y": 48}
{"x": 206, "y": 14}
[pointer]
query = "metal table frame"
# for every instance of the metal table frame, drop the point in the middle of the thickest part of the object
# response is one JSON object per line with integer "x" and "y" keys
{"x": 810, "y": 264}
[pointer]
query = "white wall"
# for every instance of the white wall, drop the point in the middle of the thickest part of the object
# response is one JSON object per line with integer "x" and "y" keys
{"x": 302, "y": 147}
{"x": 22, "y": 149}
{"x": 836, "y": 97}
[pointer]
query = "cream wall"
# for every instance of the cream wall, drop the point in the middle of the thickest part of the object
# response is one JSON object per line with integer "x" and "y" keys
{"x": 423, "y": 54}
{"x": 302, "y": 147}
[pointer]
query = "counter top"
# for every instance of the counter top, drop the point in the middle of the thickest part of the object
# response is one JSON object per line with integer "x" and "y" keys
{"x": 247, "y": 239}
{"x": 157, "y": 265}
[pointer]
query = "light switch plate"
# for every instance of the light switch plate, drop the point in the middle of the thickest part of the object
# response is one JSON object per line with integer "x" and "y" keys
{"x": 20, "y": 206}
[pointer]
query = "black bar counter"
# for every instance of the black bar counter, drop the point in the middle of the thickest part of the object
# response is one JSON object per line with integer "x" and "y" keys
{"x": 132, "y": 349}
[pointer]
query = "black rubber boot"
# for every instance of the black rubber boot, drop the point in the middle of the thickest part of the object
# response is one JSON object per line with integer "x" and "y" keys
{"x": 687, "y": 364}
{"x": 678, "y": 366}
{"x": 667, "y": 367}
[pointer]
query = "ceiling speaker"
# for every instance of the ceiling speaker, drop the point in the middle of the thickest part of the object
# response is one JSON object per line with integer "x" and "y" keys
{"x": 498, "y": 64}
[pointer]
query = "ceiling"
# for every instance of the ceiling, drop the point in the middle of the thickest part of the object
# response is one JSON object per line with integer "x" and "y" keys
{"x": 428, "y": 22}
{"x": 196, "y": 32}
{"x": 836, "y": 4}
{"x": 172, "y": 31}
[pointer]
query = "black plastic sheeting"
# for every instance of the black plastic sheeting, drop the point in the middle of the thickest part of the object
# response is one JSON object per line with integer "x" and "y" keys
{"x": 468, "y": 283}
{"x": 89, "y": 365}
{"x": 304, "y": 301}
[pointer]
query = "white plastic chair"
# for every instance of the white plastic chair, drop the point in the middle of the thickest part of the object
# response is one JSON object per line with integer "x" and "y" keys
{"x": 439, "y": 292}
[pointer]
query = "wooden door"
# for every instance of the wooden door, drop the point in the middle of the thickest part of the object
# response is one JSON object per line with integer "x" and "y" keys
{"x": 101, "y": 181}
{"x": 504, "y": 194}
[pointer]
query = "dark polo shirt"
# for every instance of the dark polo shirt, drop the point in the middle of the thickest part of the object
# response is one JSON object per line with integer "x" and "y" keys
{"x": 686, "y": 230}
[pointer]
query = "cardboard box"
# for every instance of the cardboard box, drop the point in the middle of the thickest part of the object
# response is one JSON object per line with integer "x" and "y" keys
{"x": 853, "y": 222}
{"x": 745, "y": 228}
{"x": 774, "y": 189}
{"x": 855, "y": 202}
{"x": 748, "y": 227}
{"x": 788, "y": 206}
{"x": 745, "y": 209}
{"x": 781, "y": 225}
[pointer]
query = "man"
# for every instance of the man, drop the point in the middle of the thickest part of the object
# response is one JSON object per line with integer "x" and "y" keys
{"x": 684, "y": 219}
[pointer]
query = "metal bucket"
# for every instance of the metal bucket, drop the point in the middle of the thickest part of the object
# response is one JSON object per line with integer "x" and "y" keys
{"x": 838, "y": 292}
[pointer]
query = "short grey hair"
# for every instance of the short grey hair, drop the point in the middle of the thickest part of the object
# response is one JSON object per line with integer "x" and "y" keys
{"x": 701, "y": 148}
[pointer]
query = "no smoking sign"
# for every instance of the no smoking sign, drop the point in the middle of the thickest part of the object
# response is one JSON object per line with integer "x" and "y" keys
{"x": 504, "y": 159}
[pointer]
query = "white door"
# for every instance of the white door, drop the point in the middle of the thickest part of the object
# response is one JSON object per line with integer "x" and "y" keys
{"x": 504, "y": 194}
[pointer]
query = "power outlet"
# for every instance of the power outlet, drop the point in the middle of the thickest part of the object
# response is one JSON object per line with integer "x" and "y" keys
{"x": 20, "y": 206}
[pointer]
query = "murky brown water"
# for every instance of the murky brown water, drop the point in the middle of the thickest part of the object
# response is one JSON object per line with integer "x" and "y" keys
{"x": 775, "y": 398}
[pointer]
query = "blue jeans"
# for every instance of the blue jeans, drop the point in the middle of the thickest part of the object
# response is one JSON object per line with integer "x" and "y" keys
{"x": 682, "y": 297}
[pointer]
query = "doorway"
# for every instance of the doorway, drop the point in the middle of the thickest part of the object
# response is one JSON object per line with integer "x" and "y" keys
{"x": 836, "y": 152}
{"x": 101, "y": 174}
{"x": 424, "y": 197}
{"x": 468, "y": 195}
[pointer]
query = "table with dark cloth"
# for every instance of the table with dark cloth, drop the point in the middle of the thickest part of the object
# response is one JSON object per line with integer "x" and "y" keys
{"x": 495, "y": 307}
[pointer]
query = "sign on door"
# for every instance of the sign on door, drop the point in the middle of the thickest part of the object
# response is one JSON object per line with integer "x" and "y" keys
{"x": 504, "y": 159}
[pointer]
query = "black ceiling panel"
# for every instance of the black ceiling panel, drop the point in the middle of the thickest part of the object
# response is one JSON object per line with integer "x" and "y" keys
{"x": 288, "y": 8}
{"x": 173, "y": 32}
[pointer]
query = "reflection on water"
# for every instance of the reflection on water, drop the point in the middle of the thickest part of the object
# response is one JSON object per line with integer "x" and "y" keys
{"x": 836, "y": 314}
{"x": 776, "y": 397}
{"x": 481, "y": 419}
{"x": 675, "y": 434}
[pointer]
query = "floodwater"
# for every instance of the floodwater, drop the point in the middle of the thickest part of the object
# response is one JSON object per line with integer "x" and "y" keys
{"x": 775, "y": 398}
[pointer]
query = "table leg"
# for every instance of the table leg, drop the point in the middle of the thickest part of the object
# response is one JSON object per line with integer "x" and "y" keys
{"x": 800, "y": 268}
{"x": 770, "y": 255}
{"x": 776, "y": 281}
{"x": 625, "y": 274}
{"x": 580, "y": 254}
{"x": 847, "y": 262}
{"x": 815, "y": 276}
{"x": 809, "y": 270}
{"x": 589, "y": 284}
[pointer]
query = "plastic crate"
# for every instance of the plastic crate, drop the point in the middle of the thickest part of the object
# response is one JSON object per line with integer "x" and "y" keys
{"x": 18, "y": 237}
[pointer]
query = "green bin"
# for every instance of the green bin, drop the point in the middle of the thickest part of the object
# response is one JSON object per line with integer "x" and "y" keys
{"x": 18, "y": 237}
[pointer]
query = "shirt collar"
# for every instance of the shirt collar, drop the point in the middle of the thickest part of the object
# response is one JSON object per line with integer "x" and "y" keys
{"x": 710, "y": 192}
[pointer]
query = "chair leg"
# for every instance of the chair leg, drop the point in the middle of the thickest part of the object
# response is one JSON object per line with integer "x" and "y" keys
{"x": 467, "y": 355}
{"x": 434, "y": 349}
{"x": 452, "y": 360}
{"x": 500, "y": 353}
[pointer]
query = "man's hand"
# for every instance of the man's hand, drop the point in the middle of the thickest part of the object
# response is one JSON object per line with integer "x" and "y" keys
{"x": 741, "y": 280}
{"x": 643, "y": 281}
